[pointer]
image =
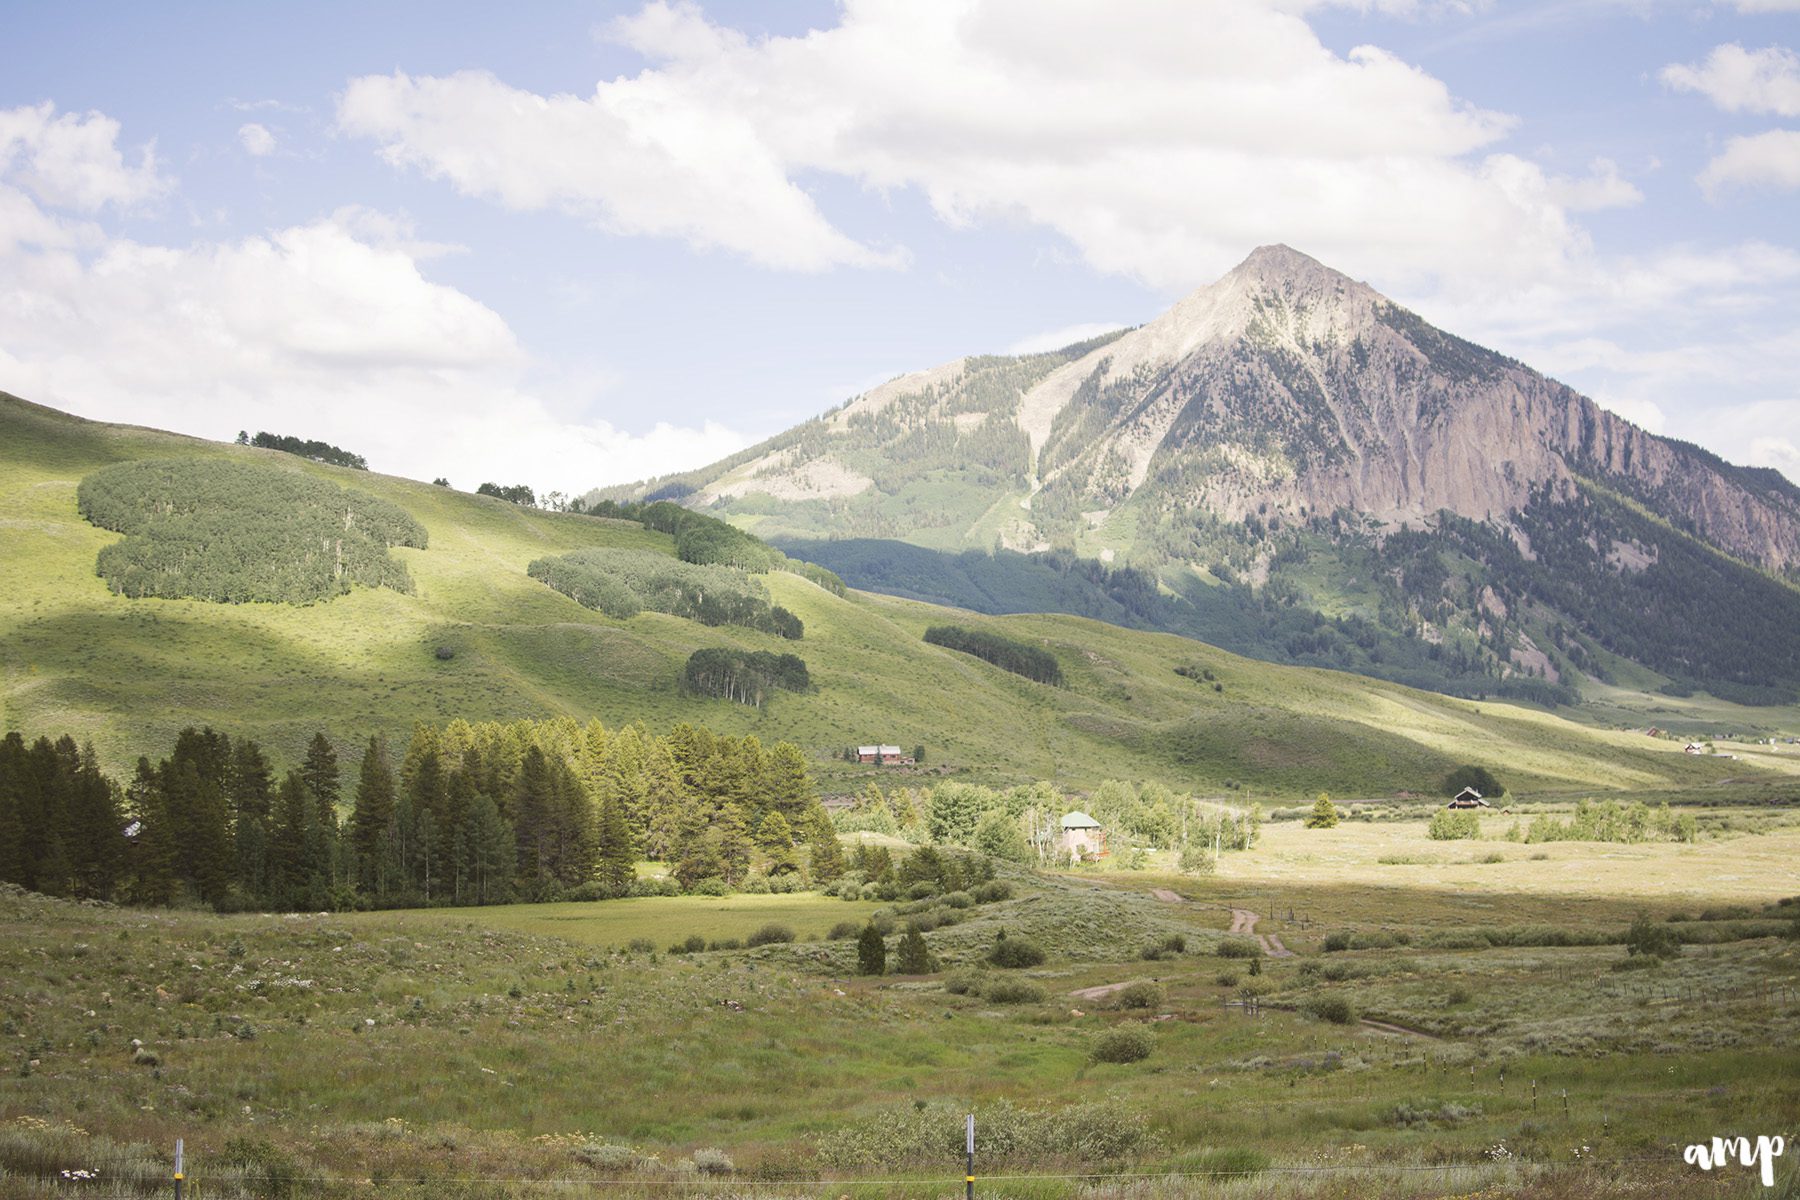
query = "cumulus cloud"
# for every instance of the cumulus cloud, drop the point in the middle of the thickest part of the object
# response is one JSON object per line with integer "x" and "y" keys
{"x": 73, "y": 161}
{"x": 1740, "y": 80}
{"x": 1162, "y": 139}
{"x": 256, "y": 139}
{"x": 326, "y": 329}
{"x": 636, "y": 158}
{"x": 1769, "y": 159}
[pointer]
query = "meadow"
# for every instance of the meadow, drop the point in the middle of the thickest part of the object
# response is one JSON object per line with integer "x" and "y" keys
{"x": 1480, "y": 1035}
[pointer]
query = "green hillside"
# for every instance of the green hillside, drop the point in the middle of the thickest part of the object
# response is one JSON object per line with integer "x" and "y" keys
{"x": 478, "y": 638}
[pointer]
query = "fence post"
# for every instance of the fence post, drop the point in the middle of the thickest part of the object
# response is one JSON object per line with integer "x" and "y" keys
{"x": 969, "y": 1179}
{"x": 180, "y": 1175}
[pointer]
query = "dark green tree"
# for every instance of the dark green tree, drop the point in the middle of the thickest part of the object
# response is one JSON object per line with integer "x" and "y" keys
{"x": 914, "y": 957}
{"x": 871, "y": 951}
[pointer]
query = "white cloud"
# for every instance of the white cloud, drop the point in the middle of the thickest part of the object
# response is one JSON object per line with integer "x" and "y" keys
{"x": 636, "y": 158}
{"x": 1056, "y": 339}
{"x": 1645, "y": 414}
{"x": 1768, "y": 6}
{"x": 328, "y": 329}
{"x": 1769, "y": 159}
{"x": 256, "y": 139}
{"x": 1163, "y": 138}
{"x": 1740, "y": 80}
{"x": 1602, "y": 188}
{"x": 72, "y": 161}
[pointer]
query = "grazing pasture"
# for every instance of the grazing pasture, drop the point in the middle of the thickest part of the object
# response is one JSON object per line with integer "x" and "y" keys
{"x": 1446, "y": 1026}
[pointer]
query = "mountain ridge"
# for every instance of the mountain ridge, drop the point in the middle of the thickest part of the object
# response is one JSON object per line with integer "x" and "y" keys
{"x": 1283, "y": 407}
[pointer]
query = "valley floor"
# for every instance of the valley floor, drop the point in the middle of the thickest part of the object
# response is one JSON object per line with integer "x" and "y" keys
{"x": 1455, "y": 1048}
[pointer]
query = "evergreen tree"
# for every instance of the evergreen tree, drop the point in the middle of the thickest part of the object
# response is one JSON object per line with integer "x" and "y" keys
{"x": 152, "y": 855}
{"x": 773, "y": 834}
{"x": 492, "y": 851}
{"x": 288, "y": 865}
{"x": 320, "y": 774}
{"x": 790, "y": 788}
{"x": 370, "y": 819}
{"x": 733, "y": 843}
{"x": 825, "y": 855}
{"x": 617, "y": 867}
{"x": 249, "y": 796}
{"x": 1324, "y": 815}
{"x": 871, "y": 951}
{"x": 914, "y": 957}
{"x": 97, "y": 830}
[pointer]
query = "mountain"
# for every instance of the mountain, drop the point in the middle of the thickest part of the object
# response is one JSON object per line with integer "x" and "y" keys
{"x": 1291, "y": 462}
{"x": 463, "y": 629}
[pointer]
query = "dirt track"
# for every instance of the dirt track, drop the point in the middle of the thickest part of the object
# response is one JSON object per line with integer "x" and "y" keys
{"x": 1244, "y": 921}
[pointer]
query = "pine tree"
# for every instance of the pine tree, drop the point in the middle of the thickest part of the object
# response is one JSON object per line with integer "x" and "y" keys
{"x": 790, "y": 788}
{"x": 249, "y": 796}
{"x": 914, "y": 957}
{"x": 320, "y": 773}
{"x": 826, "y": 856}
{"x": 773, "y": 834}
{"x": 871, "y": 951}
{"x": 1323, "y": 815}
{"x": 617, "y": 867}
{"x": 288, "y": 865}
{"x": 734, "y": 843}
{"x": 492, "y": 854}
{"x": 97, "y": 830}
{"x": 370, "y": 820}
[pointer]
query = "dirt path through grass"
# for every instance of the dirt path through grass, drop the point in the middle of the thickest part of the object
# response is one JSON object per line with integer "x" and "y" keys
{"x": 1244, "y": 921}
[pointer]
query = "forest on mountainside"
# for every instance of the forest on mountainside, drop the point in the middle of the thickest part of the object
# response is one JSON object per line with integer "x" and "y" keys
{"x": 235, "y": 532}
{"x": 622, "y": 583}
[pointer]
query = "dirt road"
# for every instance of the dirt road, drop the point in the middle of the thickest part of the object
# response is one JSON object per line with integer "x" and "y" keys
{"x": 1244, "y": 921}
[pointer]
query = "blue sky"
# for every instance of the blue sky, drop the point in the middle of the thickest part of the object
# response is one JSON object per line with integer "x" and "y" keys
{"x": 574, "y": 244}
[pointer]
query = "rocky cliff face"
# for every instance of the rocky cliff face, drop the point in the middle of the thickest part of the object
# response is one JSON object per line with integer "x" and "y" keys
{"x": 1288, "y": 388}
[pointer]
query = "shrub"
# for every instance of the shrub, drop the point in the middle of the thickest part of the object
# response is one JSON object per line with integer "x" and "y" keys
{"x": 1127, "y": 1044}
{"x": 1237, "y": 947}
{"x": 655, "y": 887}
{"x": 963, "y": 983}
{"x": 769, "y": 934}
{"x": 1140, "y": 995}
{"x": 1449, "y": 826}
{"x": 1013, "y": 991}
{"x": 1333, "y": 1008}
{"x": 756, "y": 885}
{"x": 713, "y": 1162}
{"x": 1457, "y": 995}
{"x": 959, "y": 900}
{"x": 1340, "y": 940}
{"x": 992, "y": 891}
{"x": 1648, "y": 938}
{"x": 641, "y": 945}
{"x": 726, "y": 944}
{"x": 693, "y": 945}
{"x": 1015, "y": 951}
{"x": 605, "y": 1156}
{"x": 712, "y": 885}
{"x": 1170, "y": 947}
{"x": 842, "y": 930}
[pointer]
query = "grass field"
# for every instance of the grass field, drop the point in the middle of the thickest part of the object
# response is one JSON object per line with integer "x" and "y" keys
{"x": 128, "y": 674}
{"x": 486, "y": 1052}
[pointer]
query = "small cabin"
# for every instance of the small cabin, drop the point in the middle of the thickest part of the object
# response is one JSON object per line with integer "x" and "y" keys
{"x": 884, "y": 756}
{"x": 1468, "y": 798}
{"x": 1081, "y": 837}
{"x": 1693, "y": 748}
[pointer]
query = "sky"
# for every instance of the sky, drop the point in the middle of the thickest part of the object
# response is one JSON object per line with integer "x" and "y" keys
{"x": 572, "y": 244}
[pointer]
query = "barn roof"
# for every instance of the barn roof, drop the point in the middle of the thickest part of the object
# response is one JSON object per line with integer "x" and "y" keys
{"x": 1079, "y": 820}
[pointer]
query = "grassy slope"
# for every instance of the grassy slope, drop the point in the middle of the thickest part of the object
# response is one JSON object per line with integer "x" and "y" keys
{"x": 130, "y": 673}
